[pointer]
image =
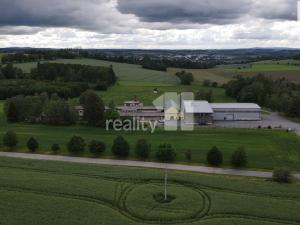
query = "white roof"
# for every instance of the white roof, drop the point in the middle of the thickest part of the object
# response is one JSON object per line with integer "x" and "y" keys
{"x": 197, "y": 107}
{"x": 235, "y": 106}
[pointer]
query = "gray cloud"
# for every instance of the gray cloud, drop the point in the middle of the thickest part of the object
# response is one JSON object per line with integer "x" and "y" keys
{"x": 207, "y": 11}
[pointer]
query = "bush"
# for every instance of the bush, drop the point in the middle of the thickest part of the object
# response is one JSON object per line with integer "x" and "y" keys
{"x": 215, "y": 84}
{"x": 188, "y": 155}
{"x": 97, "y": 147}
{"x": 214, "y": 157}
{"x": 165, "y": 153}
{"x": 55, "y": 148}
{"x": 282, "y": 175}
{"x": 120, "y": 147}
{"x": 10, "y": 139}
{"x": 239, "y": 158}
{"x": 76, "y": 145}
{"x": 32, "y": 144}
{"x": 142, "y": 149}
{"x": 206, "y": 83}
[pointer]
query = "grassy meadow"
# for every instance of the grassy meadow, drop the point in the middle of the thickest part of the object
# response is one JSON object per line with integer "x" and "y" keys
{"x": 77, "y": 194}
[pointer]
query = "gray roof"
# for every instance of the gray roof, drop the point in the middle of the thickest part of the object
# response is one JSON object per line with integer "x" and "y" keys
{"x": 197, "y": 107}
{"x": 235, "y": 106}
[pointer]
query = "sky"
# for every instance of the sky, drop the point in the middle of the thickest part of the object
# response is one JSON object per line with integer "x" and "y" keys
{"x": 149, "y": 24}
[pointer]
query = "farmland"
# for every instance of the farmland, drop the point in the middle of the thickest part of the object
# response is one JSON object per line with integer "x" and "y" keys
{"x": 125, "y": 72}
{"x": 64, "y": 193}
{"x": 266, "y": 149}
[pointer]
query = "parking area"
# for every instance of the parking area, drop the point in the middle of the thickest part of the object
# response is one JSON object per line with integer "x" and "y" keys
{"x": 271, "y": 119}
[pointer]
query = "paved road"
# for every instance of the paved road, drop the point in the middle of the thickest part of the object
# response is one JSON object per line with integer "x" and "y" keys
{"x": 273, "y": 119}
{"x": 200, "y": 169}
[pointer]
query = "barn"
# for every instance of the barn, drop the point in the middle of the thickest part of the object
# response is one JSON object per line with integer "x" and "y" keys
{"x": 236, "y": 111}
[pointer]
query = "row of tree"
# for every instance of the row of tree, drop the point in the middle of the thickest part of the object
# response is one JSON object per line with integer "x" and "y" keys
{"x": 73, "y": 72}
{"x": 279, "y": 95}
{"x": 26, "y": 87}
{"x": 10, "y": 72}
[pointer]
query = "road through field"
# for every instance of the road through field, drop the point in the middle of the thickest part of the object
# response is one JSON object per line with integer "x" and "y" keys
{"x": 130, "y": 163}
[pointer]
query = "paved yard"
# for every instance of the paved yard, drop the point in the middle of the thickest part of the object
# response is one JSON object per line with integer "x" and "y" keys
{"x": 272, "y": 119}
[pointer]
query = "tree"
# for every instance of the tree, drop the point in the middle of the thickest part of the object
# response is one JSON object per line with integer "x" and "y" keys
{"x": 120, "y": 147}
{"x": 165, "y": 153}
{"x": 76, "y": 145}
{"x": 214, "y": 157}
{"x": 32, "y": 144}
{"x": 93, "y": 108}
{"x": 239, "y": 158}
{"x": 97, "y": 147}
{"x": 282, "y": 175}
{"x": 10, "y": 139}
{"x": 188, "y": 155}
{"x": 185, "y": 78}
{"x": 12, "y": 113}
{"x": 55, "y": 148}
{"x": 59, "y": 112}
{"x": 206, "y": 83}
{"x": 142, "y": 149}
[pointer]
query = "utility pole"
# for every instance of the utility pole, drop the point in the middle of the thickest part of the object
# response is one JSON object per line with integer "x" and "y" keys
{"x": 166, "y": 182}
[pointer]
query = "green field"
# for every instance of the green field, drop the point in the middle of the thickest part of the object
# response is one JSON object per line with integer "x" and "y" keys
{"x": 40, "y": 192}
{"x": 125, "y": 72}
{"x": 124, "y": 91}
{"x": 266, "y": 149}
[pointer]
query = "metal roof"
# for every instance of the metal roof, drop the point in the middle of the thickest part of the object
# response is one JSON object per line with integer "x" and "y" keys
{"x": 197, "y": 107}
{"x": 219, "y": 106}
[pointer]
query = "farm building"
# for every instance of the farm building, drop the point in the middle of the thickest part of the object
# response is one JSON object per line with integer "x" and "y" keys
{"x": 205, "y": 113}
{"x": 236, "y": 111}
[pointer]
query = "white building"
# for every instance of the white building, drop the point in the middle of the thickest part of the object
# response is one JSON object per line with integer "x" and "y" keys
{"x": 236, "y": 111}
{"x": 204, "y": 113}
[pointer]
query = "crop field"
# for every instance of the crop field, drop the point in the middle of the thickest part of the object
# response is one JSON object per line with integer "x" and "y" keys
{"x": 125, "y": 72}
{"x": 289, "y": 69}
{"x": 41, "y": 192}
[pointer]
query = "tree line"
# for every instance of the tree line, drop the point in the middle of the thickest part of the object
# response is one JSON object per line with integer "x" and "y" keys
{"x": 54, "y": 110}
{"x": 73, "y": 72}
{"x": 279, "y": 95}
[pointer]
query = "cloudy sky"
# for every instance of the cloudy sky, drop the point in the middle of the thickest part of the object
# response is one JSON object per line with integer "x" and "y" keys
{"x": 159, "y": 24}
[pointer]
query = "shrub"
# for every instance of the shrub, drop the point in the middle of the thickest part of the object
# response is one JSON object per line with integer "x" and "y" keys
{"x": 97, "y": 147}
{"x": 32, "y": 144}
{"x": 120, "y": 147}
{"x": 214, "y": 157}
{"x": 215, "y": 84}
{"x": 142, "y": 149}
{"x": 282, "y": 175}
{"x": 206, "y": 83}
{"x": 10, "y": 139}
{"x": 188, "y": 155}
{"x": 55, "y": 148}
{"x": 165, "y": 153}
{"x": 76, "y": 145}
{"x": 239, "y": 158}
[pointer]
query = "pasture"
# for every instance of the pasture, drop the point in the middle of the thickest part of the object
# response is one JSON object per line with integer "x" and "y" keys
{"x": 40, "y": 192}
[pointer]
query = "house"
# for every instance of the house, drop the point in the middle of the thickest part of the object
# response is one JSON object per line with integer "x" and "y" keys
{"x": 172, "y": 111}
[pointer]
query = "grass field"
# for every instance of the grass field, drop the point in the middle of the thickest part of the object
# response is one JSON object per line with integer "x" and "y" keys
{"x": 125, "y": 72}
{"x": 266, "y": 149}
{"x": 40, "y": 192}
{"x": 126, "y": 90}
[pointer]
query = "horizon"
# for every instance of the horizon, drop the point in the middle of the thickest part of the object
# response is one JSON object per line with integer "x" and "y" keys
{"x": 136, "y": 24}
